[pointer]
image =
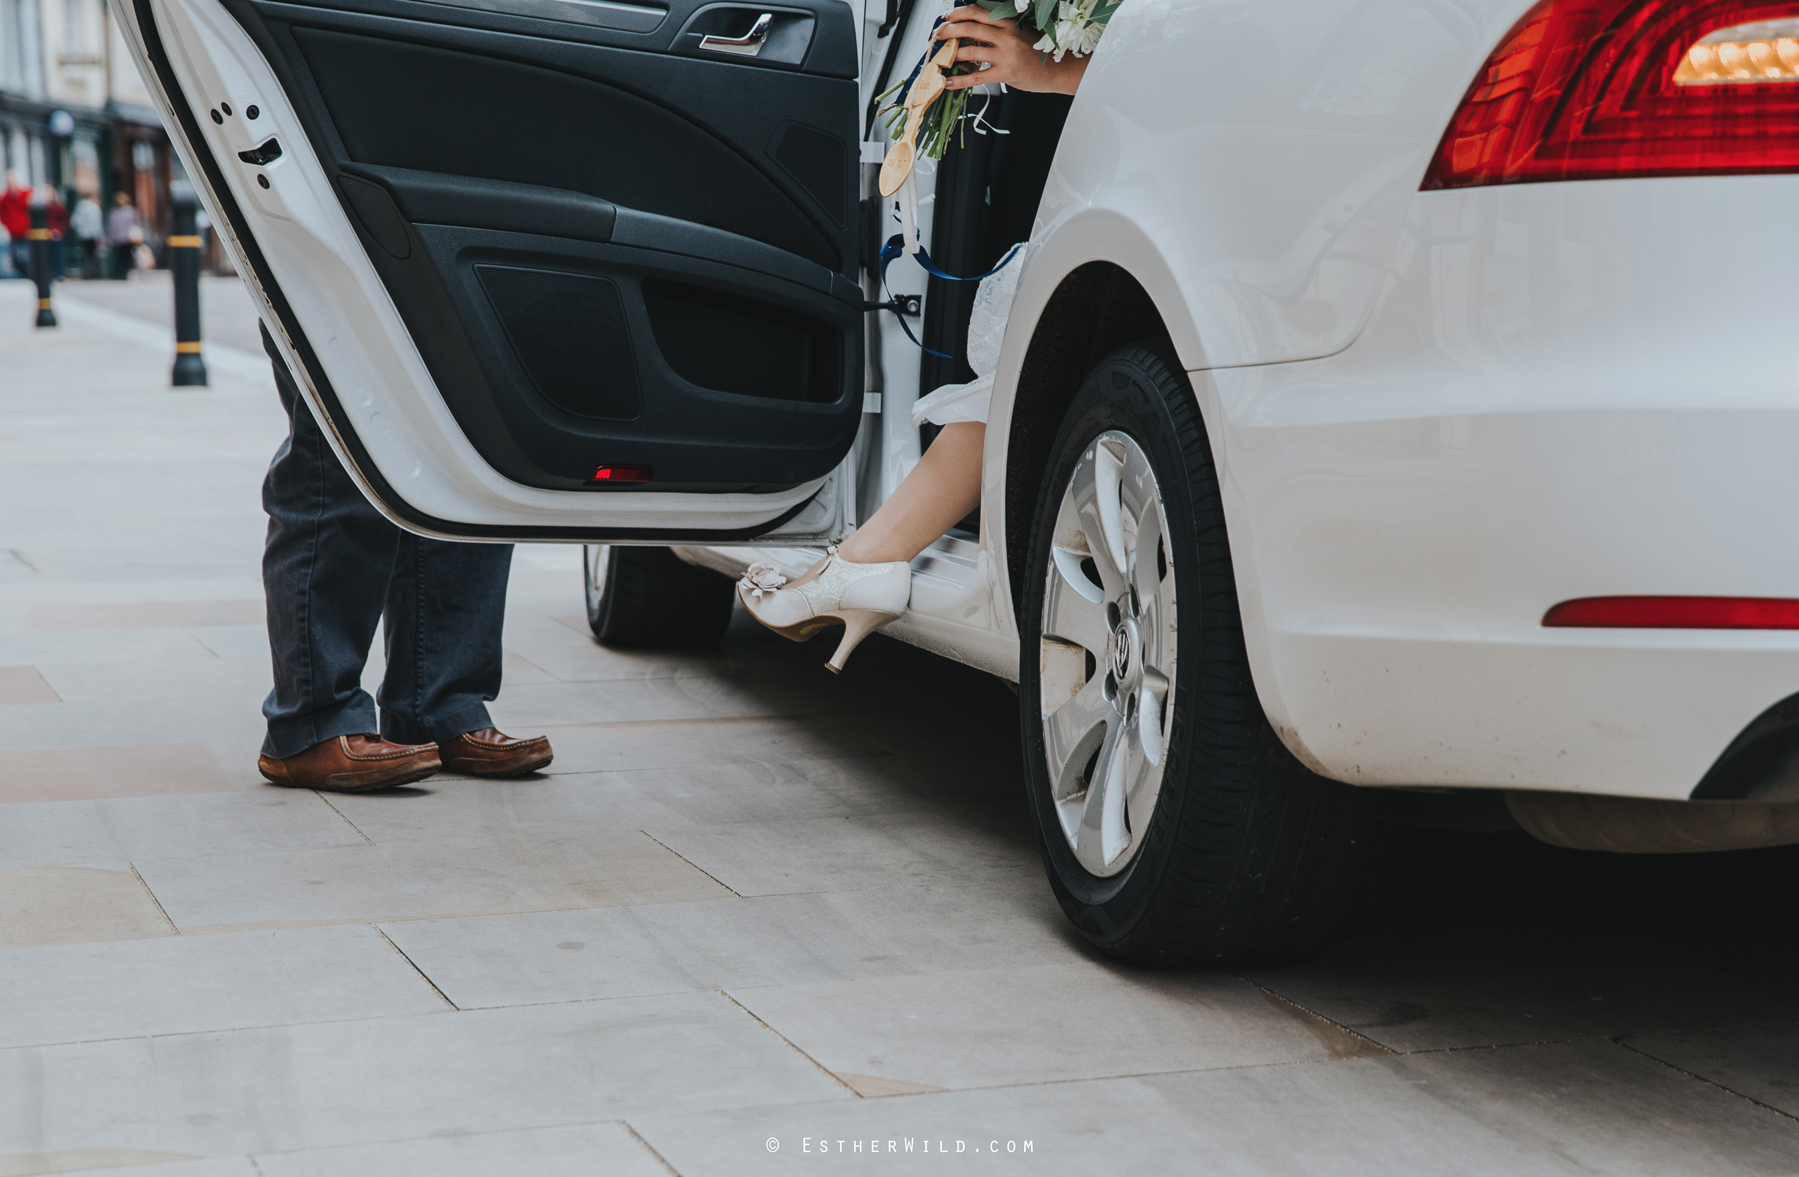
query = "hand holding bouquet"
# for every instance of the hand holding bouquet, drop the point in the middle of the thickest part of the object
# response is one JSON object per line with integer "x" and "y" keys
{"x": 1039, "y": 45}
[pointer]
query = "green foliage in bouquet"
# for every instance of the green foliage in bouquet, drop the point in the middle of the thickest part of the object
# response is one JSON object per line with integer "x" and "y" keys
{"x": 1064, "y": 26}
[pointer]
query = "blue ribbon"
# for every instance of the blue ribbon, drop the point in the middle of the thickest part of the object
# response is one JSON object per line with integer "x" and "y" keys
{"x": 896, "y": 248}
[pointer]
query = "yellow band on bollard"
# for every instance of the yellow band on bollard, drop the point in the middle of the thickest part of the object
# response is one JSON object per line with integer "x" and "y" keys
{"x": 187, "y": 349}
{"x": 184, "y": 242}
{"x": 38, "y": 235}
{"x": 43, "y": 304}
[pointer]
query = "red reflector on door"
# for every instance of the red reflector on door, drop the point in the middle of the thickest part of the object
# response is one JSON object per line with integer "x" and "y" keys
{"x": 1675, "y": 613}
{"x": 621, "y": 474}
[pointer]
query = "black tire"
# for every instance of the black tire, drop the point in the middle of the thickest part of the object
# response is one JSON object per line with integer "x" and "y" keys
{"x": 643, "y": 598}
{"x": 1247, "y": 854}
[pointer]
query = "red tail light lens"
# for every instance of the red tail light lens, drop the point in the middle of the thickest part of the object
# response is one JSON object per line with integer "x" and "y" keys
{"x": 1675, "y": 613}
{"x": 1601, "y": 89}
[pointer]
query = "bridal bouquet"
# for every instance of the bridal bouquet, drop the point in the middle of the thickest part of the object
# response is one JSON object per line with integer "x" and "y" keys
{"x": 1063, "y": 27}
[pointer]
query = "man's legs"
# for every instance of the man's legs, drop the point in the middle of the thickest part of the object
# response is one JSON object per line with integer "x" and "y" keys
{"x": 325, "y": 569}
{"x": 332, "y": 567}
{"x": 445, "y": 607}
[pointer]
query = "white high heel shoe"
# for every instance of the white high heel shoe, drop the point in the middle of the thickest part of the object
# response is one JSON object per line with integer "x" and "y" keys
{"x": 862, "y": 597}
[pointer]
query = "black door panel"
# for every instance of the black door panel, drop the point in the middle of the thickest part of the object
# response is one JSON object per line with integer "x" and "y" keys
{"x": 622, "y": 18}
{"x": 650, "y": 27}
{"x": 429, "y": 109}
{"x": 692, "y": 436}
{"x": 608, "y": 248}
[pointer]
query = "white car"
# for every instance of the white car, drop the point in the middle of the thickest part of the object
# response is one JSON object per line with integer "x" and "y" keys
{"x": 1397, "y": 396}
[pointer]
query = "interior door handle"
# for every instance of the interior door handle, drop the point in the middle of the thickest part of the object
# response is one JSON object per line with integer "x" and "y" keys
{"x": 748, "y": 45}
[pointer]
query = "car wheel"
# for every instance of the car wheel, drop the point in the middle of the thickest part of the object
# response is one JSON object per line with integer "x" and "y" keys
{"x": 646, "y": 597}
{"x": 1174, "y": 824}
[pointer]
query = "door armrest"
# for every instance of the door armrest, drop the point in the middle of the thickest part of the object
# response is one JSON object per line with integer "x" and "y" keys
{"x": 433, "y": 198}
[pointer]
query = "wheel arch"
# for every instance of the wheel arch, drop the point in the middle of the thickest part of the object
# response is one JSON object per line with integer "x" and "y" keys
{"x": 1095, "y": 308}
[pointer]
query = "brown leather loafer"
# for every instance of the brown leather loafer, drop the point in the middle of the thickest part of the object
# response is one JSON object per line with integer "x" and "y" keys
{"x": 490, "y": 752}
{"x": 353, "y": 764}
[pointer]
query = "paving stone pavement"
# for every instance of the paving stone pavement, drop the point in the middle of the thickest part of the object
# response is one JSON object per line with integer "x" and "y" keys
{"x": 755, "y": 918}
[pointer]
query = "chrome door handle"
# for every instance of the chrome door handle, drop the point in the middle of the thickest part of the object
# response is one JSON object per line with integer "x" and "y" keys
{"x": 748, "y": 45}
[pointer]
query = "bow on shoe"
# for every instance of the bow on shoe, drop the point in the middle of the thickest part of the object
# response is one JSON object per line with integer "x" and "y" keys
{"x": 762, "y": 578}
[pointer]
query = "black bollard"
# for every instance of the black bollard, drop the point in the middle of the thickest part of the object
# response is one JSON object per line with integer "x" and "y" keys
{"x": 40, "y": 256}
{"x": 184, "y": 262}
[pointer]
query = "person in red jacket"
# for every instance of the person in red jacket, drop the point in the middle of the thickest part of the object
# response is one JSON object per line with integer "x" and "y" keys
{"x": 15, "y": 218}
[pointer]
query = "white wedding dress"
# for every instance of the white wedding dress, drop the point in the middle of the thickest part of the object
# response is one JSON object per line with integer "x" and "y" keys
{"x": 986, "y": 331}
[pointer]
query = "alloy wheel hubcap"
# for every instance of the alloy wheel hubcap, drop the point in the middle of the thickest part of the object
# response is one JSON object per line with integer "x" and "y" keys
{"x": 1108, "y": 653}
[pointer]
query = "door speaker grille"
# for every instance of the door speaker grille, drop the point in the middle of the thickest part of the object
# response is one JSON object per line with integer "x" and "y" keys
{"x": 570, "y": 335}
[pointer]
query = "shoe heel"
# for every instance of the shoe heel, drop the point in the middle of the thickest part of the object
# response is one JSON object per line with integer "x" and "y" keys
{"x": 857, "y": 624}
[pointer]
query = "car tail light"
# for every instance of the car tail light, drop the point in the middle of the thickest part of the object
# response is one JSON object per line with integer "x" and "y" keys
{"x": 1675, "y": 613}
{"x": 618, "y": 474}
{"x": 1599, "y": 89}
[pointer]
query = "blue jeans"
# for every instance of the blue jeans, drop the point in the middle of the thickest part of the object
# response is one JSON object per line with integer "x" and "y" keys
{"x": 332, "y": 567}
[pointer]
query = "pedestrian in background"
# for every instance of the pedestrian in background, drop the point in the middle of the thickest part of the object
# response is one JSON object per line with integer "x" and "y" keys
{"x": 15, "y": 215}
{"x": 88, "y": 225}
{"x": 56, "y": 219}
{"x": 121, "y": 234}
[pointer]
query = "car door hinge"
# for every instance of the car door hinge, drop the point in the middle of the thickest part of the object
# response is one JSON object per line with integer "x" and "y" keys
{"x": 910, "y": 305}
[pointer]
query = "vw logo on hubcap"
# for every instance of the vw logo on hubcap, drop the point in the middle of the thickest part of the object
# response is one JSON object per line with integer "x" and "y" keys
{"x": 1121, "y": 654}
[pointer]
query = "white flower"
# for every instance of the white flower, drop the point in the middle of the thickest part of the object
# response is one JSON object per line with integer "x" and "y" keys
{"x": 1022, "y": 5}
{"x": 762, "y": 578}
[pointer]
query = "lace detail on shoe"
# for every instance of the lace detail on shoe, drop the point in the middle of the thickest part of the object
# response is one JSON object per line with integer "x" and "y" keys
{"x": 762, "y": 578}
{"x": 839, "y": 576}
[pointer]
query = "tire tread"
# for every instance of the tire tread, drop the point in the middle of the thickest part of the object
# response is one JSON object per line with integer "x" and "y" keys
{"x": 1262, "y": 855}
{"x": 652, "y": 599}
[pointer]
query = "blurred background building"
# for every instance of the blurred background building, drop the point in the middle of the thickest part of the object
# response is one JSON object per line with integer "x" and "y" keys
{"x": 75, "y": 116}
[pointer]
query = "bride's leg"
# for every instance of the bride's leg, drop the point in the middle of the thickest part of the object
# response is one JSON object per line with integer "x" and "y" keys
{"x": 943, "y": 488}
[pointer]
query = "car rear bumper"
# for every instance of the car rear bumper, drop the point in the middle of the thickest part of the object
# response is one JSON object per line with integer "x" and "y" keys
{"x": 1566, "y": 390}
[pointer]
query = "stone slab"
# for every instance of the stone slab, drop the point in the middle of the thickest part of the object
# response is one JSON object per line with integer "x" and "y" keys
{"x": 286, "y": 1088}
{"x": 44, "y": 905}
{"x": 145, "y": 614}
{"x": 579, "y": 1151}
{"x": 561, "y": 807}
{"x": 737, "y": 944}
{"x": 1756, "y": 1062}
{"x": 1564, "y": 1110}
{"x": 107, "y": 832}
{"x": 123, "y": 1162}
{"x": 843, "y": 853}
{"x": 128, "y": 770}
{"x": 25, "y": 684}
{"x": 419, "y": 880}
{"x": 1532, "y": 988}
{"x": 1034, "y": 1024}
{"x": 611, "y": 747}
{"x": 187, "y": 984}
